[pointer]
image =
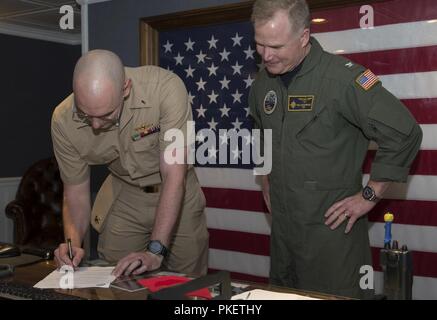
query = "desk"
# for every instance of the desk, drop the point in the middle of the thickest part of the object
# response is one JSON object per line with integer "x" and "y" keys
{"x": 31, "y": 274}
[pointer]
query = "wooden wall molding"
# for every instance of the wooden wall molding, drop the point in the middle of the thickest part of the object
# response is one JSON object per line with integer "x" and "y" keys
{"x": 151, "y": 26}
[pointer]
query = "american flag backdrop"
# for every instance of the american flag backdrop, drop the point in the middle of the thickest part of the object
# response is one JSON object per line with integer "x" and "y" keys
{"x": 218, "y": 65}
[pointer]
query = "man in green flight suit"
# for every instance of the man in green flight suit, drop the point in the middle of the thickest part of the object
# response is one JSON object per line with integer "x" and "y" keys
{"x": 323, "y": 110}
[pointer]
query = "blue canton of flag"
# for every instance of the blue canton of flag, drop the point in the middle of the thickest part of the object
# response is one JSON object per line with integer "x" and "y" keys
{"x": 218, "y": 65}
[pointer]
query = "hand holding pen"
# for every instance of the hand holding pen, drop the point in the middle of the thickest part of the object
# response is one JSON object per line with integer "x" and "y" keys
{"x": 68, "y": 254}
{"x": 70, "y": 250}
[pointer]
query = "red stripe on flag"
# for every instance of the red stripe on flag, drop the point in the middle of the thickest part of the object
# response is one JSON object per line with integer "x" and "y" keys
{"x": 424, "y": 110}
{"x": 234, "y": 199}
{"x": 412, "y": 212}
{"x": 424, "y": 164}
{"x": 408, "y": 60}
{"x": 243, "y": 276}
{"x": 253, "y": 243}
{"x": 423, "y": 262}
{"x": 388, "y": 12}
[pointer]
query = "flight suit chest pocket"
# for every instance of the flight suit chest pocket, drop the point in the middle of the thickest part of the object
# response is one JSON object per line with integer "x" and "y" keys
{"x": 321, "y": 128}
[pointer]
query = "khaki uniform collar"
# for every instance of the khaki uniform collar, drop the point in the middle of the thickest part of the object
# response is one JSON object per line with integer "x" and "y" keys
{"x": 79, "y": 125}
{"x": 136, "y": 100}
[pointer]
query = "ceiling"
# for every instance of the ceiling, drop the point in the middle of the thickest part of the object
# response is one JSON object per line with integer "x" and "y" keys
{"x": 39, "y": 19}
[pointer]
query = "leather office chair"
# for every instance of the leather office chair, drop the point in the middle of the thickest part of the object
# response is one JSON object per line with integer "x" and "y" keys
{"x": 37, "y": 208}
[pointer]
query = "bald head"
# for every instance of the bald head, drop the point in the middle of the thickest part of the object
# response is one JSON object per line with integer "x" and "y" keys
{"x": 98, "y": 81}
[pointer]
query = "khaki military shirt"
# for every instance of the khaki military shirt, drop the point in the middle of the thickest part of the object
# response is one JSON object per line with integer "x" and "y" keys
{"x": 158, "y": 99}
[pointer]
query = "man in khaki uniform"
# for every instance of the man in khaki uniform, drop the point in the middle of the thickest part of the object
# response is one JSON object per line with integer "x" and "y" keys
{"x": 323, "y": 110}
{"x": 148, "y": 212}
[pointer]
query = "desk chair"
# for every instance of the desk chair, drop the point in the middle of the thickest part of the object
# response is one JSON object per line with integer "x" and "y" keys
{"x": 37, "y": 208}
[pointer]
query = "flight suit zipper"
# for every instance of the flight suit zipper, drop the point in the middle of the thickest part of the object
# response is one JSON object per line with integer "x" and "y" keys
{"x": 284, "y": 99}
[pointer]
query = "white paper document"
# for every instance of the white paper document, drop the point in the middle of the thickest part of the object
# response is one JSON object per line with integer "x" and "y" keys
{"x": 84, "y": 277}
{"x": 259, "y": 294}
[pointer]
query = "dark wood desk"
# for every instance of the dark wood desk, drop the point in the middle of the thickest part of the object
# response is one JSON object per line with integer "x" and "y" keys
{"x": 31, "y": 274}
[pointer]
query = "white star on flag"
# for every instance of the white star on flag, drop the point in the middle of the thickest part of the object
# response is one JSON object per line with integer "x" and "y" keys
{"x": 201, "y": 84}
{"x": 201, "y": 112}
{"x": 212, "y": 69}
{"x": 247, "y": 111}
{"x": 248, "y": 81}
{"x": 212, "y": 152}
{"x": 213, "y": 97}
{"x": 249, "y": 139}
{"x": 236, "y": 153}
{"x": 212, "y": 124}
{"x": 179, "y": 59}
{"x": 225, "y": 110}
{"x": 224, "y": 138}
{"x": 200, "y": 137}
{"x": 201, "y": 57}
{"x": 168, "y": 46}
{"x": 190, "y": 97}
{"x": 237, "y": 68}
{"x": 249, "y": 53}
{"x": 189, "y": 71}
{"x": 225, "y": 82}
{"x": 237, "y": 124}
{"x": 212, "y": 42}
{"x": 189, "y": 44}
{"x": 224, "y": 54}
{"x": 236, "y": 40}
{"x": 237, "y": 96}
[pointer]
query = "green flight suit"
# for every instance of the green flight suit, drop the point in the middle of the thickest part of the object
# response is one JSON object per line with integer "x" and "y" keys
{"x": 321, "y": 127}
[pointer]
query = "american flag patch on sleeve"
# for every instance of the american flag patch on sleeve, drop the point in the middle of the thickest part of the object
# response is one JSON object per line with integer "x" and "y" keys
{"x": 367, "y": 79}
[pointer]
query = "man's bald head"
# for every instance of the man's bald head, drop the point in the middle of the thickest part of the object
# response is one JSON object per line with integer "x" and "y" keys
{"x": 98, "y": 80}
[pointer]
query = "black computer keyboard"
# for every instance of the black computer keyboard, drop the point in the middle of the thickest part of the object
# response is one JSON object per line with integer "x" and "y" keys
{"x": 21, "y": 291}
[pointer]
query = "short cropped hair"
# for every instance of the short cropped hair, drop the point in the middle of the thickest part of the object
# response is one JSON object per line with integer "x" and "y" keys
{"x": 298, "y": 12}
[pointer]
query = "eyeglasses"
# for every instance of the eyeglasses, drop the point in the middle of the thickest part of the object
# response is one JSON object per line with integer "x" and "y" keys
{"x": 108, "y": 121}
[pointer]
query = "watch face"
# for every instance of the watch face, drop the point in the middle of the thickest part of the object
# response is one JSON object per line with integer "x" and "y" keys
{"x": 368, "y": 193}
{"x": 155, "y": 247}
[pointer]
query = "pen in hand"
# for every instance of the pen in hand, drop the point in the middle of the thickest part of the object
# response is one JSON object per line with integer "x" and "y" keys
{"x": 70, "y": 249}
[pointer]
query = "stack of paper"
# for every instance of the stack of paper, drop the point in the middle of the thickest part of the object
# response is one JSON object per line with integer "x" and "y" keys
{"x": 84, "y": 277}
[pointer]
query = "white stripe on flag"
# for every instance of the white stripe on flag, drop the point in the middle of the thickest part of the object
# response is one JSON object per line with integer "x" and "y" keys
{"x": 417, "y": 238}
{"x": 228, "y": 178}
{"x": 429, "y": 140}
{"x": 252, "y": 222}
{"x": 411, "y": 85}
{"x": 239, "y": 262}
{"x": 387, "y": 37}
{"x": 238, "y": 220}
{"x": 418, "y": 187}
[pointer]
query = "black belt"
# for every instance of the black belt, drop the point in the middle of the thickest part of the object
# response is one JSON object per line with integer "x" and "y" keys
{"x": 152, "y": 189}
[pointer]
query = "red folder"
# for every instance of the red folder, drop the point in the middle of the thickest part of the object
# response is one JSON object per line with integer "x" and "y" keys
{"x": 157, "y": 283}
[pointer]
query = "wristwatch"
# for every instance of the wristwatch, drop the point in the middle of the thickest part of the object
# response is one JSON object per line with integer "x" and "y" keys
{"x": 369, "y": 194}
{"x": 156, "y": 247}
